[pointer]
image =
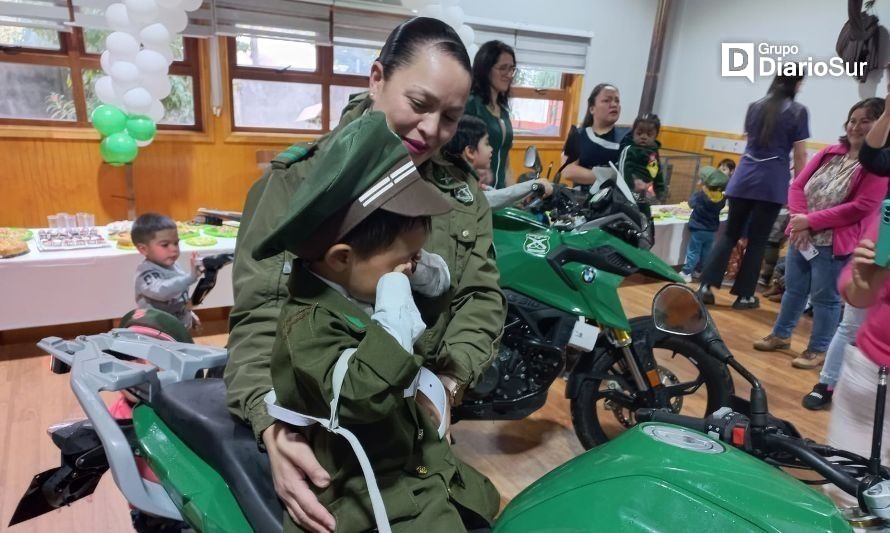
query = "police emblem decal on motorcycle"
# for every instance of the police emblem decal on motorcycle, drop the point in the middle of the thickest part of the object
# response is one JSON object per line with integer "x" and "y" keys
{"x": 463, "y": 194}
{"x": 536, "y": 244}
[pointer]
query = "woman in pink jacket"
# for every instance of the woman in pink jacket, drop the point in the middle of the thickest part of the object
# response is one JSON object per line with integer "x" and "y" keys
{"x": 832, "y": 202}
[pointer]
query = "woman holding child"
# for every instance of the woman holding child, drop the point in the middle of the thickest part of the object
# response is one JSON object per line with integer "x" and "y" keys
{"x": 420, "y": 82}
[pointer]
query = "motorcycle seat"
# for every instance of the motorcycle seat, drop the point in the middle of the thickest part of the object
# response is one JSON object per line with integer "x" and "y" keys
{"x": 196, "y": 411}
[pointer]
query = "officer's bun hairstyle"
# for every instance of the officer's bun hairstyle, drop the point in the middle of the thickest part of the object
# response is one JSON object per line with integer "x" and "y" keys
{"x": 147, "y": 225}
{"x": 470, "y": 131}
{"x": 380, "y": 230}
{"x": 403, "y": 42}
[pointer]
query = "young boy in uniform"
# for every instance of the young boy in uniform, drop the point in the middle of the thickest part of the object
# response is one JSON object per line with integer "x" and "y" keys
{"x": 160, "y": 283}
{"x": 344, "y": 347}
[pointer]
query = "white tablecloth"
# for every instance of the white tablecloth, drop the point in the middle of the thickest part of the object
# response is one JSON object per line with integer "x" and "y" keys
{"x": 63, "y": 287}
{"x": 671, "y": 239}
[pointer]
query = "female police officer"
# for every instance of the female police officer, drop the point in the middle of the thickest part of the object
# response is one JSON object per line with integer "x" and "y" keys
{"x": 420, "y": 82}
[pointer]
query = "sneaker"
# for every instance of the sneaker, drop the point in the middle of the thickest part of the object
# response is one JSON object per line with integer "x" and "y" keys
{"x": 772, "y": 343}
{"x": 686, "y": 277}
{"x": 705, "y": 295}
{"x": 808, "y": 359}
{"x": 751, "y": 302}
{"x": 818, "y": 398}
{"x": 777, "y": 298}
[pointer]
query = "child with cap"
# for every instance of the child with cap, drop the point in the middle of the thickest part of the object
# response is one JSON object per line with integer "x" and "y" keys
{"x": 470, "y": 145}
{"x": 160, "y": 283}
{"x": 704, "y": 221}
{"x": 343, "y": 355}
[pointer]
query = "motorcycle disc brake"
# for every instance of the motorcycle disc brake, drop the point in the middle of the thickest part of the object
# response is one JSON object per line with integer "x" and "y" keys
{"x": 668, "y": 378}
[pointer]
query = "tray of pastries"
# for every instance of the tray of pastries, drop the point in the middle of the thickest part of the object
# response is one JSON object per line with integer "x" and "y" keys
{"x": 66, "y": 239}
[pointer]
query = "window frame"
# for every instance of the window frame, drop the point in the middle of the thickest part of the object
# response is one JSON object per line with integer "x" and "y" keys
{"x": 323, "y": 76}
{"x": 72, "y": 55}
{"x": 563, "y": 94}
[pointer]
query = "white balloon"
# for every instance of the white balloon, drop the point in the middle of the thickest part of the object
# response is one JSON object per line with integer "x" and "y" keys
{"x": 164, "y": 51}
{"x": 155, "y": 36}
{"x": 169, "y": 4}
{"x": 142, "y": 144}
{"x": 151, "y": 62}
{"x": 448, "y": 3}
{"x": 174, "y": 19}
{"x": 156, "y": 111}
{"x": 157, "y": 86}
{"x": 137, "y": 101}
{"x": 472, "y": 51}
{"x": 105, "y": 91}
{"x": 122, "y": 45}
{"x": 117, "y": 17}
{"x": 125, "y": 73}
{"x": 192, "y": 5}
{"x": 121, "y": 88}
{"x": 105, "y": 61}
{"x": 453, "y": 16}
{"x": 467, "y": 35}
{"x": 142, "y": 10}
{"x": 432, "y": 11}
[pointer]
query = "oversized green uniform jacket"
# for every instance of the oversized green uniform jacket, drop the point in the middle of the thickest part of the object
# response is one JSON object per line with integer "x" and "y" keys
{"x": 416, "y": 472}
{"x": 463, "y": 325}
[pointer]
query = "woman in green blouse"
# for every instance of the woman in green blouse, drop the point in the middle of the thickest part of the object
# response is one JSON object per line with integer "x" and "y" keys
{"x": 493, "y": 69}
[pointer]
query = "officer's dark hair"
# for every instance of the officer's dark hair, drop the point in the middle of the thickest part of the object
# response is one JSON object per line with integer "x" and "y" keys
{"x": 730, "y": 164}
{"x": 485, "y": 60}
{"x": 470, "y": 131}
{"x": 408, "y": 37}
{"x": 145, "y": 227}
{"x": 588, "y": 117}
{"x": 380, "y": 230}
{"x": 648, "y": 118}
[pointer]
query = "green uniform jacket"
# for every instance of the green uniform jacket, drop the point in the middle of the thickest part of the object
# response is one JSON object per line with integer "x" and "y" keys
{"x": 417, "y": 474}
{"x": 501, "y": 140}
{"x": 463, "y": 325}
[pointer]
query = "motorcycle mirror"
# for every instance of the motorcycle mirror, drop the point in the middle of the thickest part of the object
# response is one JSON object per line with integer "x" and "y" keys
{"x": 677, "y": 311}
{"x": 532, "y": 160}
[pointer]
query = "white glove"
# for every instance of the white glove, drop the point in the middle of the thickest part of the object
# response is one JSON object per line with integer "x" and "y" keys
{"x": 431, "y": 277}
{"x": 396, "y": 312}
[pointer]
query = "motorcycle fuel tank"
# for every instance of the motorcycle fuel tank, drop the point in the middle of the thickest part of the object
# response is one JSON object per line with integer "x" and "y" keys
{"x": 658, "y": 477}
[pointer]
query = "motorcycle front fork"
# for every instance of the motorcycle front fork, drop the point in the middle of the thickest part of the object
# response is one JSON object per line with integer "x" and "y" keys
{"x": 622, "y": 341}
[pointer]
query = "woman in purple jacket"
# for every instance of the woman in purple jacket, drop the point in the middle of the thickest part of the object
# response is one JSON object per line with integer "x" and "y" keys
{"x": 776, "y": 126}
{"x": 832, "y": 202}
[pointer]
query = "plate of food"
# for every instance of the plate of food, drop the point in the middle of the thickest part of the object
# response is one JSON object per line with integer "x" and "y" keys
{"x": 226, "y": 232}
{"x": 22, "y": 234}
{"x": 12, "y": 247}
{"x": 125, "y": 241}
{"x": 187, "y": 230}
{"x": 201, "y": 241}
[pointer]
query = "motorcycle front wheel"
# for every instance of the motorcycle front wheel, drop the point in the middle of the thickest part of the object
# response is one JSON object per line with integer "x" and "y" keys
{"x": 605, "y": 403}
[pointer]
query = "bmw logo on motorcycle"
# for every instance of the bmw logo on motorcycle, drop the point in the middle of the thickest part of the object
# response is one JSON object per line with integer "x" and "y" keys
{"x": 588, "y": 275}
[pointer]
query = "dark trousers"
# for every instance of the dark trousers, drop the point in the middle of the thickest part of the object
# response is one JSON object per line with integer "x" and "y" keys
{"x": 759, "y": 216}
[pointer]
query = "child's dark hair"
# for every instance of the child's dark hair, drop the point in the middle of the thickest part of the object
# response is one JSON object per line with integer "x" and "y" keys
{"x": 730, "y": 164}
{"x": 380, "y": 230}
{"x": 407, "y": 38}
{"x": 147, "y": 225}
{"x": 648, "y": 118}
{"x": 470, "y": 131}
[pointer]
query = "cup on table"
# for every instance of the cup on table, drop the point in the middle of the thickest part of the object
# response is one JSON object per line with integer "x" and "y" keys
{"x": 86, "y": 220}
{"x": 52, "y": 221}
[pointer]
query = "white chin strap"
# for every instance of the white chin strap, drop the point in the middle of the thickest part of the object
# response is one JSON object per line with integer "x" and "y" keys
{"x": 425, "y": 383}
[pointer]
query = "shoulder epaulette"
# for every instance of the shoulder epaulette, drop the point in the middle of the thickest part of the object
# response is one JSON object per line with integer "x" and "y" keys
{"x": 293, "y": 153}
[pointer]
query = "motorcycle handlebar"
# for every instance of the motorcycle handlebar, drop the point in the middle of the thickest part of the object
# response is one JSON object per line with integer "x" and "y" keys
{"x": 811, "y": 458}
{"x": 661, "y": 415}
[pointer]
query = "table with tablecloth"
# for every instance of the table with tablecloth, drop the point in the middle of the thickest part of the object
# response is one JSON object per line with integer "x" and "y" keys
{"x": 43, "y": 288}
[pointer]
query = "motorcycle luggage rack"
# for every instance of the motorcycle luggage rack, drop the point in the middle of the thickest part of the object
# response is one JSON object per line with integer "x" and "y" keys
{"x": 93, "y": 370}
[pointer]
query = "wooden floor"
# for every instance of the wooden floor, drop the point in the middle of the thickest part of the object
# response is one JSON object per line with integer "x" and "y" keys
{"x": 512, "y": 454}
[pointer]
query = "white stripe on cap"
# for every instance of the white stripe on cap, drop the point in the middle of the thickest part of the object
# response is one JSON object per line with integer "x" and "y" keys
{"x": 386, "y": 183}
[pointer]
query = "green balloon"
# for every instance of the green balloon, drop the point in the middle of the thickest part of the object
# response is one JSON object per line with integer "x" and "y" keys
{"x": 140, "y": 127}
{"x": 108, "y": 119}
{"x": 118, "y": 149}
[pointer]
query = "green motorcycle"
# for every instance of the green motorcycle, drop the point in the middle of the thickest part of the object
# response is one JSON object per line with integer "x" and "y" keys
{"x": 564, "y": 314}
{"x": 207, "y": 474}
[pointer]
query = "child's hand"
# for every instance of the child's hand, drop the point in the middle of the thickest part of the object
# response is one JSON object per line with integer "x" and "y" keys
{"x": 548, "y": 187}
{"x": 405, "y": 268}
{"x": 866, "y": 274}
{"x": 197, "y": 265}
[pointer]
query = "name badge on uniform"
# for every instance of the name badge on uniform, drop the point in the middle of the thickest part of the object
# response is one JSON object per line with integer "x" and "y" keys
{"x": 464, "y": 195}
